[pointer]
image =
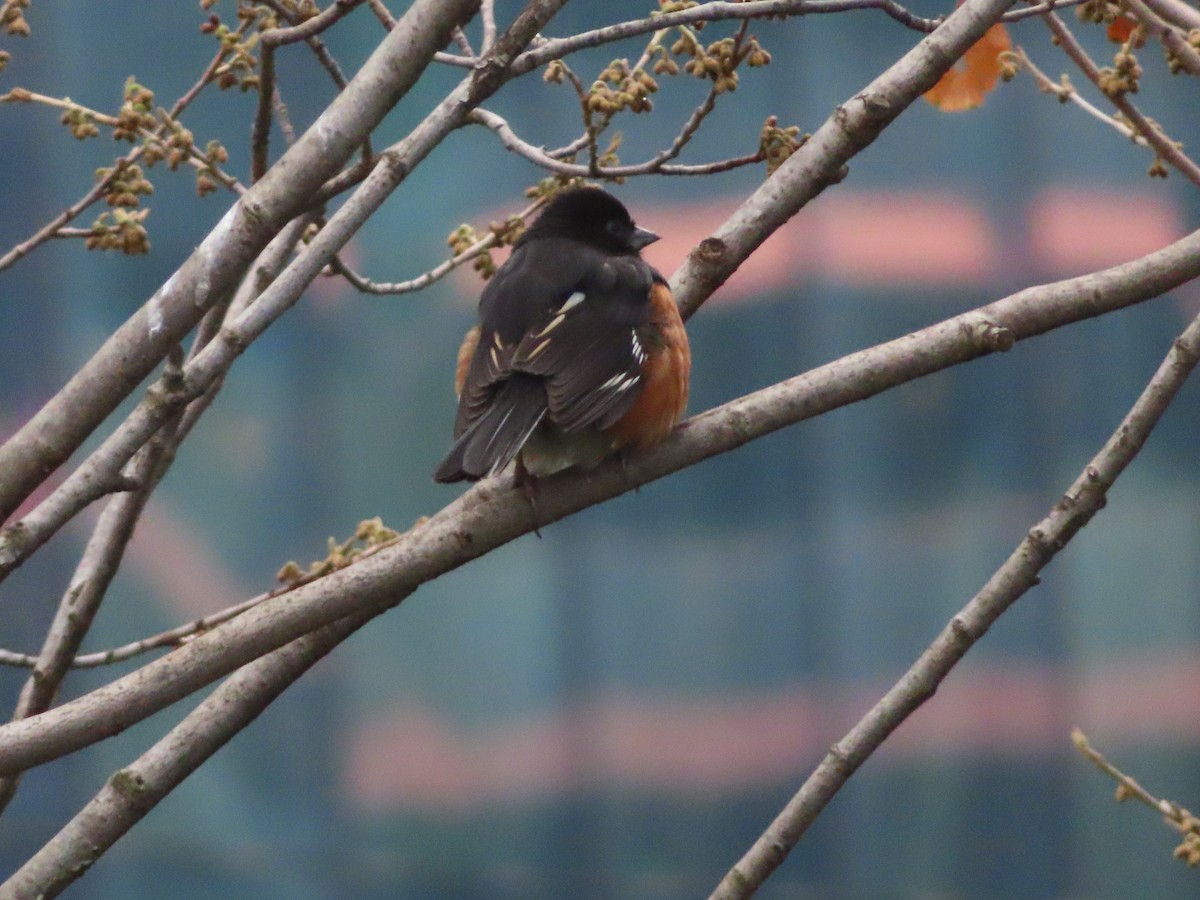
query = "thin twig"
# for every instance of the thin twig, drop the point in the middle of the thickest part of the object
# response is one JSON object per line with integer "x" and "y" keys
{"x": 23, "y": 95}
{"x": 51, "y": 228}
{"x": 1167, "y": 150}
{"x": 568, "y": 149}
{"x": 1038, "y": 9}
{"x": 1171, "y": 36}
{"x": 174, "y": 637}
{"x": 1131, "y": 787}
{"x": 487, "y": 13}
{"x": 284, "y": 35}
{"x": 149, "y": 136}
{"x": 56, "y": 227}
{"x": 260, "y": 129}
{"x": 1064, "y": 90}
{"x": 485, "y": 243}
{"x": 310, "y": 27}
{"x": 1182, "y": 820}
{"x": 385, "y": 17}
{"x": 556, "y": 48}
{"x": 306, "y": 30}
{"x": 463, "y": 42}
{"x": 181, "y": 634}
{"x": 500, "y": 127}
{"x": 285, "y": 121}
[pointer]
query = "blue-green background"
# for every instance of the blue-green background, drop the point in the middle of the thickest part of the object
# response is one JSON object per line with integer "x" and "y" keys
{"x": 805, "y": 559}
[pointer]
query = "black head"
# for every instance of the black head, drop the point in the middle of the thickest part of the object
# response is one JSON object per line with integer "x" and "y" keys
{"x": 593, "y": 216}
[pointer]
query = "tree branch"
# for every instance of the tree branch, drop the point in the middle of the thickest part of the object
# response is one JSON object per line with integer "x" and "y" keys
{"x": 656, "y": 166}
{"x": 717, "y": 11}
{"x": 106, "y": 547}
{"x": 556, "y": 48}
{"x": 437, "y": 273}
{"x": 1020, "y": 572}
{"x": 487, "y": 12}
{"x": 306, "y": 30}
{"x": 136, "y": 789}
{"x": 215, "y": 267}
{"x": 96, "y": 476}
{"x": 1066, "y": 91}
{"x": 173, "y": 637}
{"x": 821, "y": 160}
{"x": 1176, "y": 12}
{"x": 1162, "y": 145}
{"x": 496, "y": 511}
{"x": 1170, "y": 35}
{"x": 97, "y": 566}
{"x": 52, "y": 228}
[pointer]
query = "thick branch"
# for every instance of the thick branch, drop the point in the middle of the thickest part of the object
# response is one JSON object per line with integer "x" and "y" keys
{"x": 97, "y": 566}
{"x": 496, "y": 511}
{"x": 106, "y": 547}
{"x": 822, "y": 159}
{"x": 136, "y": 789}
{"x": 1176, "y": 12}
{"x": 1020, "y": 572}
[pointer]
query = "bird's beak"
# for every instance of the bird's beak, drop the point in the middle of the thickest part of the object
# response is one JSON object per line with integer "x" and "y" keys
{"x": 642, "y": 238}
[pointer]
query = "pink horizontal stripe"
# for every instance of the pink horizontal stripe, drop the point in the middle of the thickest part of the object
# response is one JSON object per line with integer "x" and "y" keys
{"x": 414, "y": 758}
{"x": 911, "y": 238}
{"x": 1076, "y": 230}
{"x": 901, "y": 238}
{"x": 851, "y": 237}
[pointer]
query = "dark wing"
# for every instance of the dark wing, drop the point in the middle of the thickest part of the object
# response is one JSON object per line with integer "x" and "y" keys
{"x": 588, "y": 351}
{"x": 491, "y": 441}
{"x": 586, "y": 345}
{"x": 558, "y": 341}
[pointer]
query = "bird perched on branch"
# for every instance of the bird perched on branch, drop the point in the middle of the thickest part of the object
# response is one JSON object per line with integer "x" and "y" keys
{"x": 579, "y": 353}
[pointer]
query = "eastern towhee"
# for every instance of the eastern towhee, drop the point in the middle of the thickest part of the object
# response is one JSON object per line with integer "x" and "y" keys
{"x": 579, "y": 353}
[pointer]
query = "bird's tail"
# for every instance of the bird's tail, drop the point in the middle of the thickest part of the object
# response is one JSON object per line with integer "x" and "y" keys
{"x": 492, "y": 440}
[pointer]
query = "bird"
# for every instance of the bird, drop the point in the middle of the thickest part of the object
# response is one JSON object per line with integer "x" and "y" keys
{"x": 580, "y": 352}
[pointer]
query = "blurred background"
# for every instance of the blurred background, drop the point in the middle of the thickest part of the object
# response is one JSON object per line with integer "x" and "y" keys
{"x": 617, "y": 709}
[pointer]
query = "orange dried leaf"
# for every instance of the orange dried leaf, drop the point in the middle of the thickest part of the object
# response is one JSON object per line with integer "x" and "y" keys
{"x": 971, "y": 79}
{"x": 1121, "y": 28}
